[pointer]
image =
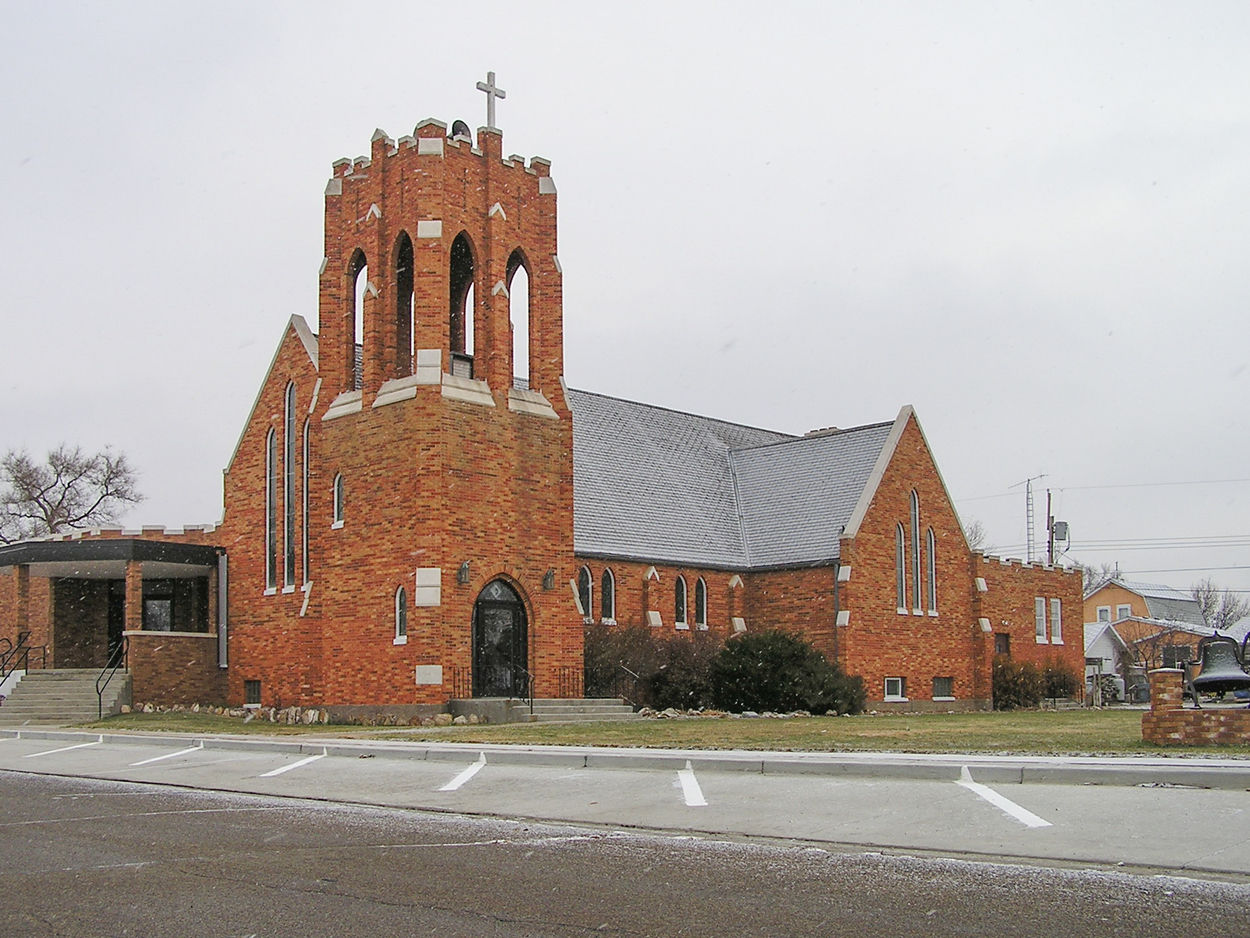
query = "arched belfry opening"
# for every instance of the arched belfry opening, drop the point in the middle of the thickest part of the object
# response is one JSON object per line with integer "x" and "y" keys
{"x": 519, "y": 315}
{"x": 404, "y": 305}
{"x": 358, "y": 274}
{"x": 500, "y": 642}
{"x": 462, "y": 268}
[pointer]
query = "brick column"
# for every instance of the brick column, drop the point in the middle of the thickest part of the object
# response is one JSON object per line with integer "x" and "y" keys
{"x": 211, "y": 625}
{"x": 1167, "y": 687}
{"x": 134, "y": 595}
{"x": 21, "y": 574}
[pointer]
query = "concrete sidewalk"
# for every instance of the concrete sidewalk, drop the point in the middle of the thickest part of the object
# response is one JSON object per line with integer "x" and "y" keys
{"x": 1229, "y": 774}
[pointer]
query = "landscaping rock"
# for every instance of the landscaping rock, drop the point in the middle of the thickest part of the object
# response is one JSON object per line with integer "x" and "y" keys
{"x": 461, "y": 720}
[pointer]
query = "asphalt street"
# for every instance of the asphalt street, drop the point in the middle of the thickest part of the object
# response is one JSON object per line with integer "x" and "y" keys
{"x": 98, "y": 857}
{"x": 937, "y": 806}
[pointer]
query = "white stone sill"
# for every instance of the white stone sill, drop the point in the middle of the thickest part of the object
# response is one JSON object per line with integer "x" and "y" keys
{"x": 942, "y": 699}
{"x": 336, "y": 526}
{"x": 155, "y": 633}
{"x": 400, "y": 640}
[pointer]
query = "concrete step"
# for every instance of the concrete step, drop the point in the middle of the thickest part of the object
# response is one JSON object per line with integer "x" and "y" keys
{"x": 556, "y": 710}
{"x": 63, "y": 696}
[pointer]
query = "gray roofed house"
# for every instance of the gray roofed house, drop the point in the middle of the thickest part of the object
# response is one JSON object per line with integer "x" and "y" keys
{"x": 661, "y": 485}
{"x": 1162, "y": 602}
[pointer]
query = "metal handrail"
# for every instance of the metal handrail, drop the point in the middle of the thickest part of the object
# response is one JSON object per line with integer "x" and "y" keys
{"x": 14, "y": 654}
{"x": 528, "y": 694}
{"x": 118, "y": 659}
{"x": 636, "y": 681}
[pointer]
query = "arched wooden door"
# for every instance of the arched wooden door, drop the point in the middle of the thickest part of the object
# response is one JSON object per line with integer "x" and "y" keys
{"x": 500, "y": 642}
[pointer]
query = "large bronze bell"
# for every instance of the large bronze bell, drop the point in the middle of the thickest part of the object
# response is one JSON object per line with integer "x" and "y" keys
{"x": 1220, "y": 668}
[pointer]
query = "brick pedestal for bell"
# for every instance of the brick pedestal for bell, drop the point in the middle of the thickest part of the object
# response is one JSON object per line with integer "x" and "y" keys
{"x": 1170, "y": 723}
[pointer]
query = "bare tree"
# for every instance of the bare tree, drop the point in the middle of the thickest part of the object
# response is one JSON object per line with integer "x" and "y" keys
{"x": 1095, "y": 576}
{"x": 1220, "y": 608}
{"x": 70, "y": 490}
{"x": 978, "y": 536}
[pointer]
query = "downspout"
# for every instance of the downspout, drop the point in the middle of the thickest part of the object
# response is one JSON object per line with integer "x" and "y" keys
{"x": 837, "y": 608}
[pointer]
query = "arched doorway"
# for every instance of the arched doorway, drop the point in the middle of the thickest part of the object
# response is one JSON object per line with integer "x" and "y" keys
{"x": 500, "y": 642}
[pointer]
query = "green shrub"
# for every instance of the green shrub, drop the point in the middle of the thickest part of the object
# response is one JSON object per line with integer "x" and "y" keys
{"x": 683, "y": 679}
{"x": 777, "y": 671}
{"x": 1059, "y": 679}
{"x": 1017, "y": 684}
{"x": 608, "y": 649}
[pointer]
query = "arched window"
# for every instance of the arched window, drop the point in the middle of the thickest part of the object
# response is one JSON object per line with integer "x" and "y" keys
{"x": 585, "y": 593}
{"x": 401, "y": 616}
{"x": 679, "y": 603}
{"x": 915, "y": 551}
{"x": 700, "y": 603}
{"x": 360, "y": 284}
{"x": 403, "y": 305}
{"x": 340, "y": 498}
{"x": 288, "y": 488}
{"x": 519, "y": 315}
{"x": 304, "y": 497}
{"x": 930, "y": 559}
{"x": 271, "y": 509}
{"x": 461, "y": 276}
{"x": 607, "y": 596}
{"x": 900, "y": 568}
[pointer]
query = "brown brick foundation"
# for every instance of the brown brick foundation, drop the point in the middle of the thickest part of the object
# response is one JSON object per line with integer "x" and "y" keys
{"x": 1168, "y": 723}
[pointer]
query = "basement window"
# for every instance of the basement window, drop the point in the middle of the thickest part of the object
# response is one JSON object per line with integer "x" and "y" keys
{"x": 895, "y": 688}
{"x": 943, "y": 688}
{"x": 251, "y": 693}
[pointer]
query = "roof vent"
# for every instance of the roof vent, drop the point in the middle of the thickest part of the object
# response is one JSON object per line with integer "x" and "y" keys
{"x": 823, "y": 431}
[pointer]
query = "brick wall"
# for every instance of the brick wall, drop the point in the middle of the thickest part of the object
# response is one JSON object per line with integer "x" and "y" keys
{"x": 1169, "y": 723}
{"x": 39, "y": 609}
{"x": 169, "y": 668}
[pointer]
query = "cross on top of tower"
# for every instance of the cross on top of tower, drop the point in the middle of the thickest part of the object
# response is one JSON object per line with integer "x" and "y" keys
{"x": 492, "y": 92}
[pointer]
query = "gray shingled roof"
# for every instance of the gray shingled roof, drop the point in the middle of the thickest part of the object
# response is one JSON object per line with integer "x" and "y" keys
{"x": 1164, "y": 602}
{"x": 657, "y": 484}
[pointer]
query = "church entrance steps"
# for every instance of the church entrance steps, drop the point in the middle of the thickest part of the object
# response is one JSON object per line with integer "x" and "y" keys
{"x": 545, "y": 710}
{"x": 62, "y": 695}
{"x": 588, "y": 710}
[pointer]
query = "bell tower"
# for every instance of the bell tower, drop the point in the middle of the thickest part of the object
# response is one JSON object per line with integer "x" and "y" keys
{"x": 439, "y": 226}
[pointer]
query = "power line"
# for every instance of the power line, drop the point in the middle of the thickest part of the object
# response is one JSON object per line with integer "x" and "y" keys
{"x": 1118, "y": 485}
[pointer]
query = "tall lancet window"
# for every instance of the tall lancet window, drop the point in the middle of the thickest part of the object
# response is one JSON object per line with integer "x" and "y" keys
{"x": 271, "y": 510}
{"x": 519, "y": 314}
{"x": 304, "y": 499}
{"x": 360, "y": 286}
{"x": 900, "y": 568}
{"x": 461, "y": 270}
{"x": 930, "y": 558}
{"x": 915, "y": 552}
{"x": 404, "y": 305}
{"x": 288, "y": 488}
{"x": 585, "y": 593}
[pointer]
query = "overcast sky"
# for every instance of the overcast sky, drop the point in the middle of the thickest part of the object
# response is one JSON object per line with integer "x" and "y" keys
{"x": 1029, "y": 221}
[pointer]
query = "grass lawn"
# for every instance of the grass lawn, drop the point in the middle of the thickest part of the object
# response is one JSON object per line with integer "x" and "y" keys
{"x": 1043, "y": 732}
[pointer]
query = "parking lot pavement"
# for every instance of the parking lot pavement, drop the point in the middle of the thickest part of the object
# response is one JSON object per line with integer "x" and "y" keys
{"x": 1161, "y": 828}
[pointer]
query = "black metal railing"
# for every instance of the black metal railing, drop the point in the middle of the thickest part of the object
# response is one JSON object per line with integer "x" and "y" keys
{"x": 570, "y": 683}
{"x": 17, "y": 657}
{"x": 461, "y": 683}
{"x": 625, "y": 684}
{"x": 523, "y": 684}
{"x": 118, "y": 660}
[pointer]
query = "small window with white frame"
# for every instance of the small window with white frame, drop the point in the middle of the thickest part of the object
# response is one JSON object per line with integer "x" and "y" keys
{"x": 1056, "y": 622}
{"x": 700, "y": 604}
{"x": 1123, "y": 612}
{"x": 340, "y": 501}
{"x": 943, "y": 688}
{"x": 1039, "y": 619}
{"x": 679, "y": 603}
{"x": 1104, "y": 613}
{"x": 401, "y": 616}
{"x": 895, "y": 688}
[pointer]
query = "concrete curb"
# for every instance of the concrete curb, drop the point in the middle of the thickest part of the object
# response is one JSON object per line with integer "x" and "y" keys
{"x": 1231, "y": 774}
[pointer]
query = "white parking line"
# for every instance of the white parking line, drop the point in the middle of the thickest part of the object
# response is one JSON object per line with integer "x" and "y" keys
{"x": 48, "y": 752}
{"x": 169, "y": 755}
{"x": 465, "y": 775}
{"x": 294, "y": 765}
{"x": 690, "y": 787}
{"x": 1023, "y": 815}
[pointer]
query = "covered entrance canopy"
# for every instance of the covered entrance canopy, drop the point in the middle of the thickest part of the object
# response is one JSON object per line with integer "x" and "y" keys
{"x": 79, "y": 598}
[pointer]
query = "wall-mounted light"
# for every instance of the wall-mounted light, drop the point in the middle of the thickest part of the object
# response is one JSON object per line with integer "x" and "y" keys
{"x": 549, "y": 580}
{"x": 462, "y": 575}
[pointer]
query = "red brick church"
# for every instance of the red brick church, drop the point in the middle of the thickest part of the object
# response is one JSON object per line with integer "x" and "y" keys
{"x": 419, "y": 510}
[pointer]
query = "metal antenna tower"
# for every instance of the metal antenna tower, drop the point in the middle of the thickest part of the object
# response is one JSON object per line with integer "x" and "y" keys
{"x": 1028, "y": 513}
